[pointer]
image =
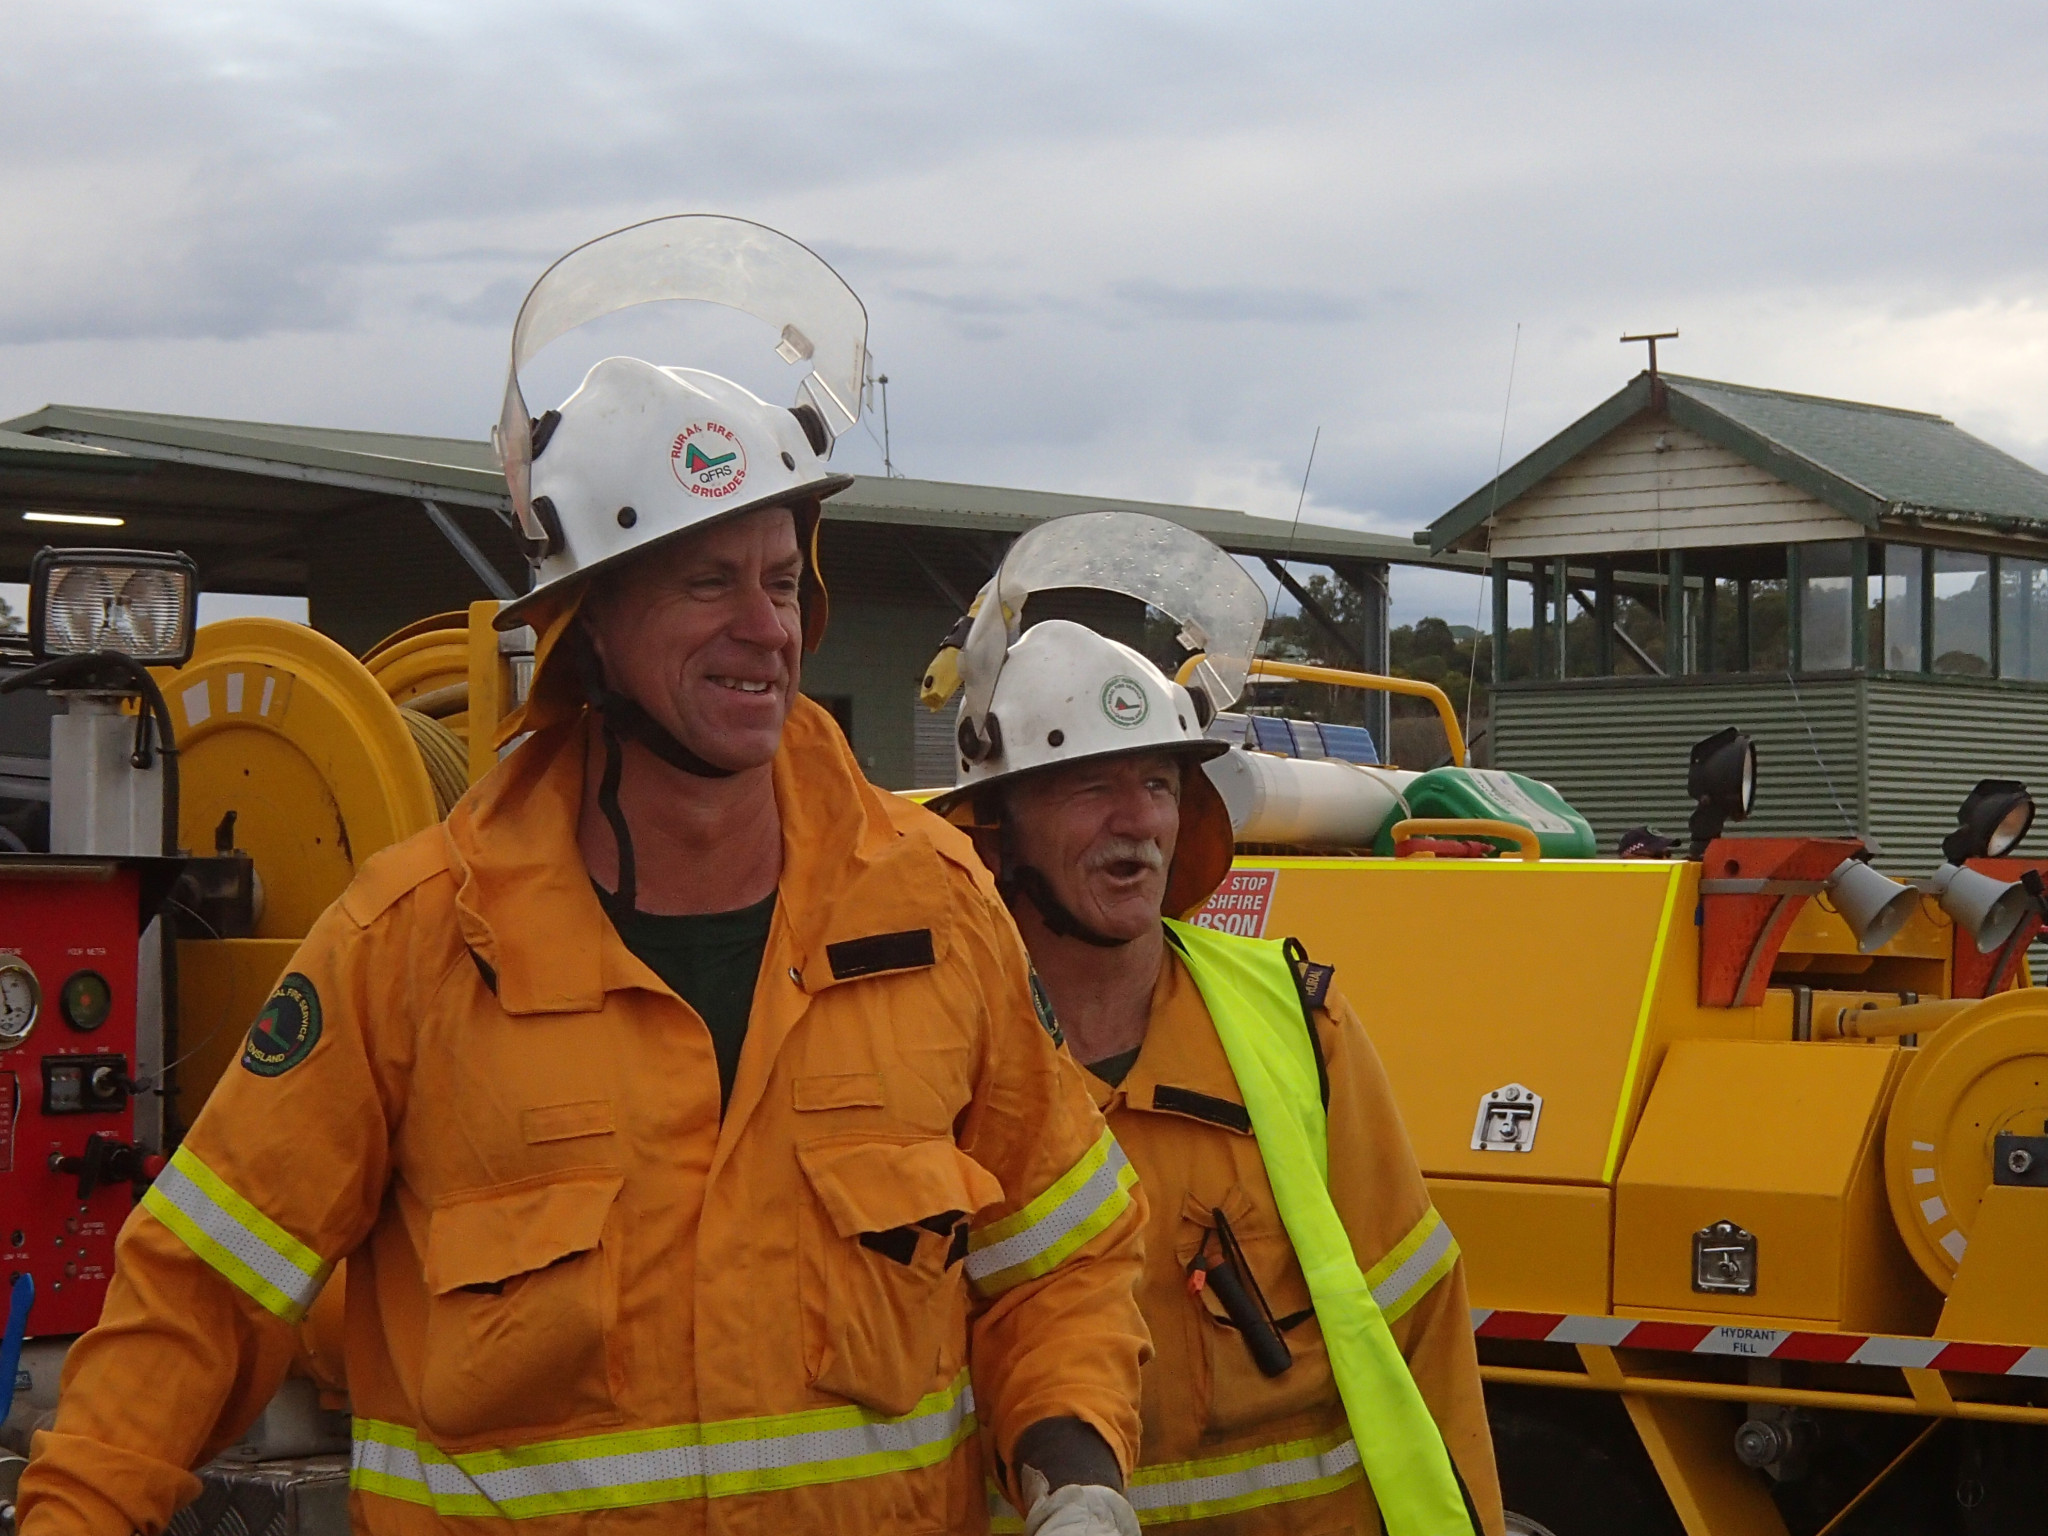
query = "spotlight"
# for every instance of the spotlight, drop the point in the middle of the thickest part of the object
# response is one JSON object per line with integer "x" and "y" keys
{"x": 1990, "y": 822}
{"x": 139, "y": 603}
{"x": 1722, "y": 782}
{"x": 1988, "y": 910}
{"x": 1873, "y": 905}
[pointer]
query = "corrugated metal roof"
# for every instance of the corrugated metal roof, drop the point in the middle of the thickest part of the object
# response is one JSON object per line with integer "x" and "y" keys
{"x": 1910, "y": 459}
{"x": 466, "y": 472}
{"x": 1872, "y": 463}
{"x": 43, "y": 453}
{"x": 453, "y": 469}
{"x": 999, "y": 509}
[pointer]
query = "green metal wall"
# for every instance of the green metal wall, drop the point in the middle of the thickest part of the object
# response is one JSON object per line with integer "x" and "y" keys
{"x": 874, "y": 654}
{"x": 1886, "y": 755}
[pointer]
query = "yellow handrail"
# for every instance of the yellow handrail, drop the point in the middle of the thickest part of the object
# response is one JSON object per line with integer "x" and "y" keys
{"x": 1469, "y": 827}
{"x": 1374, "y": 682}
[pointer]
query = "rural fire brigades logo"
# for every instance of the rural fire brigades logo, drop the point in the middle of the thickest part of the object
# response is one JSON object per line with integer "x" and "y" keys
{"x": 1123, "y": 700}
{"x": 287, "y": 1029}
{"x": 709, "y": 460}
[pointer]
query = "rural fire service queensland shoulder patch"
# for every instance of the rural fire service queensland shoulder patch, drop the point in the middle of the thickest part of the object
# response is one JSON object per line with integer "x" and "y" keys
{"x": 287, "y": 1029}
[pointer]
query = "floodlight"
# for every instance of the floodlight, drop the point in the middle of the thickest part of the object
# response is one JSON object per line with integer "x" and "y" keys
{"x": 142, "y": 604}
{"x": 1873, "y": 905}
{"x": 1990, "y": 822}
{"x": 1988, "y": 909}
{"x": 1721, "y": 780}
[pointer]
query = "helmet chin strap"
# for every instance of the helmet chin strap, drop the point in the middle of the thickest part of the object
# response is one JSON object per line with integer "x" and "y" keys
{"x": 1028, "y": 881}
{"x": 620, "y": 716}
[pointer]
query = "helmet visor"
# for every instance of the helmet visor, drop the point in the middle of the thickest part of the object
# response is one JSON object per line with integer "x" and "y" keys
{"x": 715, "y": 260}
{"x": 1219, "y": 608}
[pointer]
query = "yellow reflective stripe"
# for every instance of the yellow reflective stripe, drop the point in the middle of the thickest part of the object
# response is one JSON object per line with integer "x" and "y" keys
{"x": 1413, "y": 1265}
{"x": 1037, "y": 1239}
{"x": 632, "y": 1468}
{"x": 1225, "y": 1485}
{"x": 248, "y": 1249}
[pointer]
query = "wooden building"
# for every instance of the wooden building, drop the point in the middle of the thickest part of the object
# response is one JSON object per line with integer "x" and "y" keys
{"x": 1863, "y": 589}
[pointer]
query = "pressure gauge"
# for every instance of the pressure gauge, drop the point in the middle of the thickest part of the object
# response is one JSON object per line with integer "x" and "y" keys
{"x": 21, "y": 999}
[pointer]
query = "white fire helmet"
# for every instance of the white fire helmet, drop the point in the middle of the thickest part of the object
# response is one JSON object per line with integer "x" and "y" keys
{"x": 640, "y": 453}
{"x": 1059, "y": 693}
{"x": 1067, "y": 694}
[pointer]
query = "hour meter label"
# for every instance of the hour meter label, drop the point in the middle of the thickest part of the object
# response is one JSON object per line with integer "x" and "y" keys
{"x": 1241, "y": 903}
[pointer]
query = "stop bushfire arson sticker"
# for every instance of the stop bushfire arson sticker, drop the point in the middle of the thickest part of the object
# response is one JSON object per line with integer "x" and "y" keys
{"x": 1241, "y": 903}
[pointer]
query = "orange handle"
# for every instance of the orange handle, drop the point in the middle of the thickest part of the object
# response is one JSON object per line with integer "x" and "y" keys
{"x": 1454, "y": 826}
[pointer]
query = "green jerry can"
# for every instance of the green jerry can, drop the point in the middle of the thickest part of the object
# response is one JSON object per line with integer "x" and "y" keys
{"x": 1494, "y": 794}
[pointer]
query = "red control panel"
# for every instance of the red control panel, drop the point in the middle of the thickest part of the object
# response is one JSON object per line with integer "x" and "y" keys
{"x": 68, "y": 1162}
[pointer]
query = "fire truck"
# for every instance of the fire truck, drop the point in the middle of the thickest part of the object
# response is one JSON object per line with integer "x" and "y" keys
{"x": 1746, "y": 1147}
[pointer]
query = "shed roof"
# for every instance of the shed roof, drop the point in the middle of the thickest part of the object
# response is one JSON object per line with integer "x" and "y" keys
{"x": 464, "y": 472}
{"x": 1873, "y": 463}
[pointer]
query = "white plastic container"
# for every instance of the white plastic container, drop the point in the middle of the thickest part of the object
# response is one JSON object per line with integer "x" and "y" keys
{"x": 1307, "y": 801}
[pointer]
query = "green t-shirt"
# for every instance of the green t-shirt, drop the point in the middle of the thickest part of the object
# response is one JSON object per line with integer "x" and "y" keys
{"x": 1114, "y": 1069}
{"x": 711, "y": 961}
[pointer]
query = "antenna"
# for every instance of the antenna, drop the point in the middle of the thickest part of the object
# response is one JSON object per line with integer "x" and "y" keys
{"x": 1653, "y": 338}
{"x": 1303, "y": 497}
{"x": 888, "y": 468}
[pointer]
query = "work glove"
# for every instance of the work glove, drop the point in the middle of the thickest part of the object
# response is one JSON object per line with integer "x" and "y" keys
{"x": 1078, "y": 1509}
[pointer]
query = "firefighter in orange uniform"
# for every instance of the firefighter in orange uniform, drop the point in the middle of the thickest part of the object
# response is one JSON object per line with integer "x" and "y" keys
{"x": 679, "y": 1104}
{"x": 1272, "y": 1403}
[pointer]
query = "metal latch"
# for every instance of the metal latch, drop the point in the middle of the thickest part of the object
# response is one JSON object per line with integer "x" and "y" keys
{"x": 1507, "y": 1120}
{"x": 1724, "y": 1260}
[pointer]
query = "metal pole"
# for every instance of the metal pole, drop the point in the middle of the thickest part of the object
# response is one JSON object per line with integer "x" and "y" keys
{"x": 1500, "y": 621}
{"x": 888, "y": 466}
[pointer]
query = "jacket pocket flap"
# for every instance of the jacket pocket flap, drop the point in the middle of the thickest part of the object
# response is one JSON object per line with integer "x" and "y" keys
{"x": 874, "y": 1186}
{"x": 491, "y": 1235}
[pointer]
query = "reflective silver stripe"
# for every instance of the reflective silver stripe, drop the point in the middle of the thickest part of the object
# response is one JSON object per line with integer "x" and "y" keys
{"x": 251, "y": 1257}
{"x": 639, "y": 1467}
{"x": 1415, "y": 1268}
{"x": 1224, "y": 1485}
{"x": 1044, "y": 1234}
{"x": 1268, "y": 1482}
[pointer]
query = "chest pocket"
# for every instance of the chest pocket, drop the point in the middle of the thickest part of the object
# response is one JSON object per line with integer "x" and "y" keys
{"x": 1234, "y": 1393}
{"x": 523, "y": 1302}
{"x": 883, "y": 1287}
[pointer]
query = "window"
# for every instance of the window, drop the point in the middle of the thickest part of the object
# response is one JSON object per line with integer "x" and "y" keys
{"x": 1962, "y": 613}
{"x": 1897, "y": 576}
{"x": 1824, "y": 605}
{"x": 2023, "y": 618}
{"x": 1767, "y": 636}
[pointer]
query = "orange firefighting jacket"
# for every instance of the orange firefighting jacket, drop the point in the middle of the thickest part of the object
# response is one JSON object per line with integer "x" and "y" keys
{"x": 1226, "y": 1448}
{"x": 574, "y": 1295}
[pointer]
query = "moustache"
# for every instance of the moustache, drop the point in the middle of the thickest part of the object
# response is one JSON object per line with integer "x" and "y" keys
{"x": 1125, "y": 850}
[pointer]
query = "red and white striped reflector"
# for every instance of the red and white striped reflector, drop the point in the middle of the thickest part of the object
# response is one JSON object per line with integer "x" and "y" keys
{"x": 1763, "y": 1343}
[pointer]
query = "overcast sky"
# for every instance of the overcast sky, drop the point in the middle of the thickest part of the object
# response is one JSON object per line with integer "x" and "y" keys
{"x": 1132, "y": 249}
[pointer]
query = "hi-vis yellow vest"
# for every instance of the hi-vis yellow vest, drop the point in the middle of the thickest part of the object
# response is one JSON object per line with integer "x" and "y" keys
{"x": 1249, "y": 989}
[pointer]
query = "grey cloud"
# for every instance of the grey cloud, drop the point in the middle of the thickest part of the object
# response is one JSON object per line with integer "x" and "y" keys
{"x": 1236, "y": 302}
{"x": 1105, "y": 230}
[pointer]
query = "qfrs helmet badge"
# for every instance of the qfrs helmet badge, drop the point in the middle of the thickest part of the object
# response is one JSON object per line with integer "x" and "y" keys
{"x": 709, "y": 460}
{"x": 1124, "y": 701}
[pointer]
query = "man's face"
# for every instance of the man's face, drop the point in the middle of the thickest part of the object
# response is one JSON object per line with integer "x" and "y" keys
{"x": 704, "y": 634}
{"x": 1102, "y": 833}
